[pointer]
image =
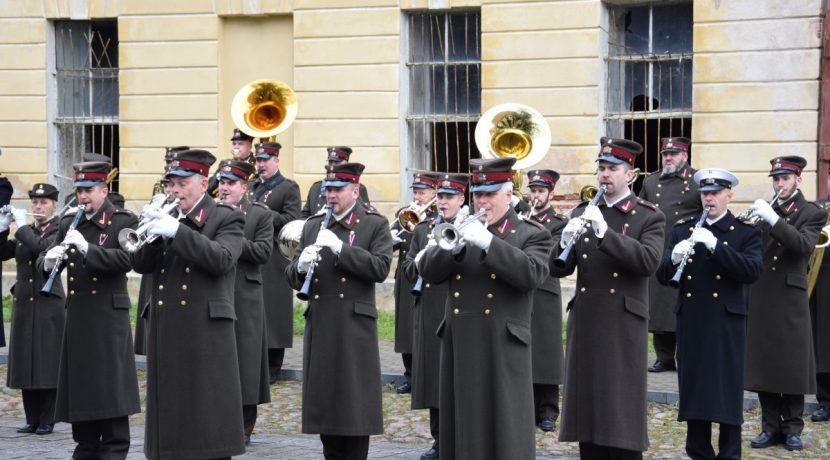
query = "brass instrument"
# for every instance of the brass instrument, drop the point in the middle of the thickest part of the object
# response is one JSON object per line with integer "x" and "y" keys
{"x": 264, "y": 108}
{"x": 289, "y": 238}
{"x": 133, "y": 240}
{"x": 588, "y": 192}
{"x": 448, "y": 236}
{"x": 823, "y": 237}
{"x": 408, "y": 218}
{"x": 747, "y": 216}
{"x": 818, "y": 254}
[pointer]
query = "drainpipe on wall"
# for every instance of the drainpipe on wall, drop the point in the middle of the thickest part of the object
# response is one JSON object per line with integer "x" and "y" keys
{"x": 824, "y": 104}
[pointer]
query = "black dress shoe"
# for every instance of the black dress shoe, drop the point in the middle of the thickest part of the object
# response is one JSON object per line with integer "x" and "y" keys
{"x": 662, "y": 366}
{"x": 793, "y": 442}
{"x": 822, "y": 414}
{"x": 28, "y": 428}
{"x": 406, "y": 388}
{"x": 431, "y": 454}
{"x": 764, "y": 440}
{"x": 247, "y": 440}
{"x": 547, "y": 424}
{"x": 45, "y": 429}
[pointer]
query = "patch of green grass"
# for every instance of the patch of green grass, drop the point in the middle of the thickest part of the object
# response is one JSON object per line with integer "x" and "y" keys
{"x": 386, "y": 323}
{"x": 7, "y": 309}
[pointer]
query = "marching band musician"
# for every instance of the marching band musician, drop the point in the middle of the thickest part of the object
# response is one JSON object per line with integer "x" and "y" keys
{"x": 251, "y": 345}
{"x": 316, "y": 198}
{"x": 604, "y": 406}
{"x": 341, "y": 361}
{"x": 194, "y": 399}
{"x": 242, "y": 146}
{"x": 675, "y": 192}
{"x": 486, "y": 391}
{"x": 423, "y": 192}
{"x": 37, "y": 321}
{"x": 6, "y": 192}
{"x": 97, "y": 382}
{"x": 780, "y": 365}
{"x": 428, "y": 309}
{"x": 820, "y": 315}
{"x": 711, "y": 314}
{"x": 282, "y": 196}
{"x": 546, "y": 323}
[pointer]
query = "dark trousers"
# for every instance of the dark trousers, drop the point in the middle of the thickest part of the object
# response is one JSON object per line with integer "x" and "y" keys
{"x": 337, "y": 447}
{"x": 433, "y": 426}
{"x": 407, "y": 365}
{"x": 823, "y": 389}
{"x": 39, "y": 406}
{"x": 665, "y": 344}
{"x": 107, "y": 439}
{"x": 275, "y": 358}
{"x": 546, "y": 401}
{"x": 781, "y": 413}
{"x": 591, "y": 451}
{"x": 249, "y": 418}
{"x": 699, "y": 441}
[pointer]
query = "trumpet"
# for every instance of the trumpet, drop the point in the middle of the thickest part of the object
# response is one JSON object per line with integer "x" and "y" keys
{"x": 408, "y": 218}
{"x": 133, "y": 240}
{"x": 448, "y": 236}
{"x": 675, "y": 281}
{"x": 747, "y": 216}
{"x": 8, "y": 209}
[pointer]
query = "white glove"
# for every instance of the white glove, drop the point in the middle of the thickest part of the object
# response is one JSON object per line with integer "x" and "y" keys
{"x": 20, "y": 217}
{"x": 53, "y": 257}
{"x": 763, "y": 210}
{"x": 75, "y": 238}
{"x": 70, "y": 211}
{"x": 322, "y": 210}
{"x": 395, "y": 238}
{"x": 703, "y": 235}
{"x": 5, "y": 221}
{"x": 477, "y": 234}
{"x": 327, "y": 239}
{"x": 310, "y": 255}
{"x": 680, "y": 251}
{"x": 577, "y": 224}
{"x": 593, "y": 215}
{"x": 162, "y": 224}
{"x": 420, "y": 254}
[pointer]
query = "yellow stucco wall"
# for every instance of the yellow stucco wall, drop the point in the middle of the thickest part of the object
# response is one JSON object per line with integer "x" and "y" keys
{"x": 755, "y": 94}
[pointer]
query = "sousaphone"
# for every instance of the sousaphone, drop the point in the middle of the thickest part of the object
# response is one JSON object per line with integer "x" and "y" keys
{"x": 264, "y": 108}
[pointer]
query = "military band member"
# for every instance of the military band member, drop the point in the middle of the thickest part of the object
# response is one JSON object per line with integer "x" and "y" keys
{"x": 674, "y": 191}
{"x": 282, "y": 196}
{"x": 6, "y": 192}
{"x": 97, "y": 382}
{"x": 428, "y": 309}
{"x": 316, "y": 198}
{"x": 780, "y": 365}
{"x": 546, "y": 324}
{"x": 711, "y": 314}
{"x": 37, "y": 321}
{"x": 820, "y": 315}
{"x": 341, "y": 360}
{"x": 423, "y": 192}
{"x": 486, "y": 391}
{"x": 618, "y": 244}
{"x": 194, "y": 398}
{"x": 242, "y": 146}
{"x": 251, "y": 345}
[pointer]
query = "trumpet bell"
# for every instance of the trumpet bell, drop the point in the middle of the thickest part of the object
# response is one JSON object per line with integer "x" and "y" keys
{"x": 446, "y": 236}
{"x": 587, "y": 193}
{"x": 513, "y": 130}
{"x": 289, "y": 238}
{"x": 264, "y": 108}
{"x": 823, "y": 237}
{"x": 129, "y": 239}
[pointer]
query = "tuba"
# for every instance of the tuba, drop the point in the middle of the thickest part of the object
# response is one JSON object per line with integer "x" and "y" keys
{"x": 818, "y": 254}
{"x": 289, "y": 238}
{"x": 264, "y": 108}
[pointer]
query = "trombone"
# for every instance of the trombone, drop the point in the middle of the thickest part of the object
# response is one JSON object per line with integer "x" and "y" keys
{"x": 408, "y": 218}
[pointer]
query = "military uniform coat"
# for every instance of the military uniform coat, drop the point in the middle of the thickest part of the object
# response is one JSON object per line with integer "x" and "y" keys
{"x": 315, "y": 201}
{"x": 486, "y": 394}
{"x": 711, "y": 313}
{"x": 145, "y": 289}
{"x": 6, "y": 192}
{"x": 282, "y": 196}
{"x": 546, "y": 322}
{"x": 605, "y": 382}
{"x": 37, "y": 321}
{"x": 96, "y": 376}
{"x": 427, "y": 313}
{"x": 194, "y": 398}
{"x": 779, "y": 338}
{"x": 820, "y": 311}
{"x": 251, "y": 345}
{"x": 678, "y": 197}
{"x": 341, "y": 360}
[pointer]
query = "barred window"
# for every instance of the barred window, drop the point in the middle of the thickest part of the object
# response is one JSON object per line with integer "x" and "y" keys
{"x": 649, "y": 87}
{"x": 444, "y": 97}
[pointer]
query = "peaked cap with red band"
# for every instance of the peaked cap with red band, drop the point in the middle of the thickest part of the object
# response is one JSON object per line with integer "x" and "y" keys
{"x": 424, "y": 180}
{"x": 267, "y": 150}
{"x": 339, "y": 153}
{"x": 791, "y": 164}
{"x": 675, "y": 144}
{"x": 453, "y": 183}
{"x": 543, "y": 178}
{"x": 189, "y": 162}
{"x": 89, "y": 173}
{"x": 235, "y": 170}
{"x": 618, "y": 151}
{"x": 343, "y": 174}
{"x": 488, "y": 174}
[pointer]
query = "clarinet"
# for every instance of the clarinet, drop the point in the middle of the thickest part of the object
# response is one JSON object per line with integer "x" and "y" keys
{"x": 675, "y": 281}
{"x": 417, "y": 289}
{"x": 46, "y": 291}
{"x": 303, "y": 294}
{"x": 561, "y": 261}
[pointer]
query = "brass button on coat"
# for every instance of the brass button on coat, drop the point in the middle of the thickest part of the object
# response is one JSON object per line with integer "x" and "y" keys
{"x": 456, "y": 294}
